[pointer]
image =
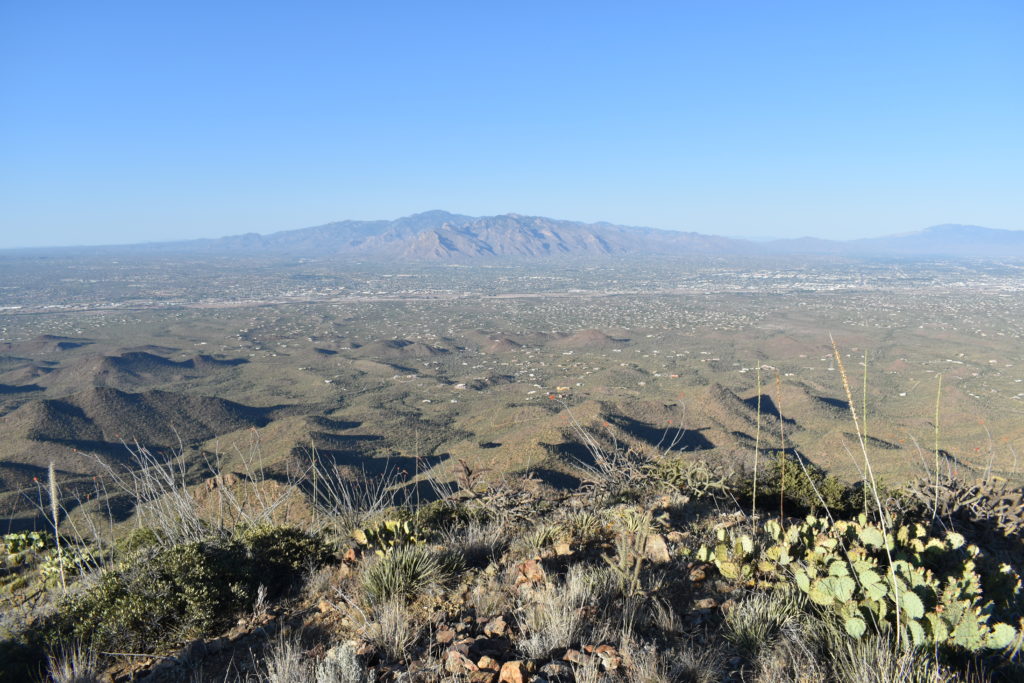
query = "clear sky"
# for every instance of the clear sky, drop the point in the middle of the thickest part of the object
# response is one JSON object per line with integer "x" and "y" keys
{"x": 139, "y": 121}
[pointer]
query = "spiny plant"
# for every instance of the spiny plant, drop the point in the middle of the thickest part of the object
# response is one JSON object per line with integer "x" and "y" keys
{"x": 72, "y": 561}
{"x": 386, "y": 536}
{"x": 691, "y": 476}
{"x": 937, "y": 589}
{"x": 22, "y": 541}
{"x": 402, "y": 573}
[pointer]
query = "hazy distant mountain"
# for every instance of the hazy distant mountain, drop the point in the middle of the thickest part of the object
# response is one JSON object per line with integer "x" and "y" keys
{"x": 948, "y": 240}
{"x": 439, "y": 235}
{"x": 443, "y": 236}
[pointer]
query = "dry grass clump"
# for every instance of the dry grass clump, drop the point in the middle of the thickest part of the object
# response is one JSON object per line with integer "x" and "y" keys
{"x": 758, "y": 620}
{"x": 73, "y": 664}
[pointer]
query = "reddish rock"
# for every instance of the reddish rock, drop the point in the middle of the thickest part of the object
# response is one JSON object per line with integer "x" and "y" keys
{"x": 530, "y": 571}
{"x": 512, "y": 672}
{"x": 496, "y": 627}
{"x": 455, "y": 662}
{"x": 706, "y": 603}
{"x": 445, "y": 636}
{"x": 657, "y": 550}
{"x": 488, "y": 664}
{"x": 576, "y": 657}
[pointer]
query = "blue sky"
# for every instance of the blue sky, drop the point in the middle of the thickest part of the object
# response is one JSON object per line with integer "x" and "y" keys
{"x": 139, "y": 121}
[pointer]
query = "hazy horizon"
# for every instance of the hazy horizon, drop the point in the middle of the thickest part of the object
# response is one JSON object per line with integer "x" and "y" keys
{"x": 128, "y": 123}
{"x": 749, "y": 237}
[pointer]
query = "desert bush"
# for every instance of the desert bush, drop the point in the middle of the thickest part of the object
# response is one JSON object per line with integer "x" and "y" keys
{"x": 341, "y": 665}
{"x": 285, "y": 662}
{"x": 554, "y": 616}
{"x": 161, "y": 595}
{"x": 804, "y": 487}
{"x": 477, "y": 543}
{"x": 176, "y": 593}
{"x": 281, "y": 553}
{"x": 584, "y": 527}
{"x": 691, "y": 476}
{"x": 393, "y": 630}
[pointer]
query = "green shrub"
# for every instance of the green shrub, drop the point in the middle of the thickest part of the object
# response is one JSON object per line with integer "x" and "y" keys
{"x": 161, "y": 595}
{"x": 157, "y": 598}
{"x": 137, "y": 540}
{"x": 800, "y": 486}
{"x": 280, "y": 554}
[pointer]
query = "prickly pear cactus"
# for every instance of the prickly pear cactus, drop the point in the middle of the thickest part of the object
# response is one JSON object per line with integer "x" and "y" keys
{"x": 936, "y": 589}
{"x": 386, "y": 535}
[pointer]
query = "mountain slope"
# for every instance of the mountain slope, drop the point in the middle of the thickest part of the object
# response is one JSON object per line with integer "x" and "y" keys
{"x": 439, "y": 235}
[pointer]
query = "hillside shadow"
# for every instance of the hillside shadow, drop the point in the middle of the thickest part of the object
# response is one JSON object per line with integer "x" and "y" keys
{"x": 359, "y": 463}
{"x": 554, "y": 478}
{"x": 768, "y": 408}
{"x": 667, "y": 439}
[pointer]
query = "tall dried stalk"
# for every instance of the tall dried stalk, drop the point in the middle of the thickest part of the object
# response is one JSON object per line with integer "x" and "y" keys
{"x": 782, "y": 437}
{"x": 938, "y": 397}
{"x": 757, "y": 443}
{"x": 51, "y": 481}
{"x": 864, "y": 411}
{"x": 871, "y": 476}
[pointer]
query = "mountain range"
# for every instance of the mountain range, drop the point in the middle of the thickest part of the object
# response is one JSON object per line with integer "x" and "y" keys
{"x": 442, "y": 236}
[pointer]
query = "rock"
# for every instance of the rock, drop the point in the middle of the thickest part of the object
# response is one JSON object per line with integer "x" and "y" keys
{"x": 325, "y": 606}
{"x": 706, "y": 603}
{"x": 530, "y": 571}
{"x": 512, "y": 672}
{"x": 657, "y": 550}
{"x": 445, "y": 636}
{"x": 576, "y": 657}
{"x": 610, "y": 659}
{"x": 488, "y": 664}
{"x": 456, "y": 663}
{"x": 496, "y": 627}
{"x": 563, "y": 549}
{"x": 697, "y": 574}
{"x": 483, "y": 677}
